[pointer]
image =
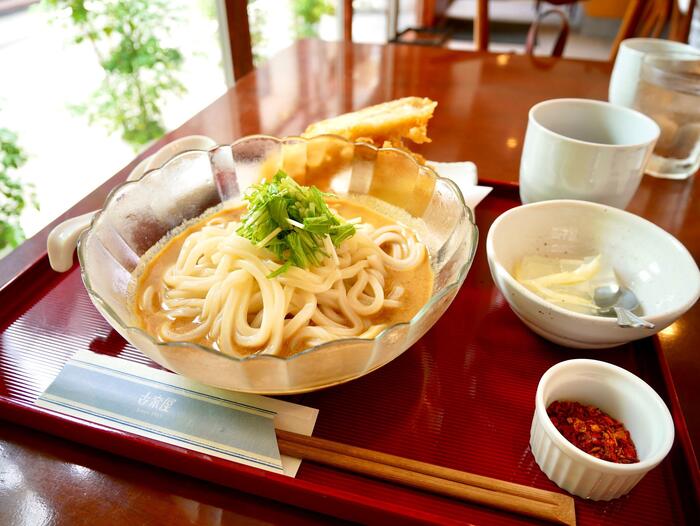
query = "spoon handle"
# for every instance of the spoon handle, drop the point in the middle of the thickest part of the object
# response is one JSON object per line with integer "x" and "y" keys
{"x": 626, "y": 318}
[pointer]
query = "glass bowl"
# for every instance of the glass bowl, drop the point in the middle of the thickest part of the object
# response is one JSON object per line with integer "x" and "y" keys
{"x": 139, "y": 213}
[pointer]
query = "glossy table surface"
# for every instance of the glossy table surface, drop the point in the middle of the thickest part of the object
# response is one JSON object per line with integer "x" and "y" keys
{"x": 482, "y": 115}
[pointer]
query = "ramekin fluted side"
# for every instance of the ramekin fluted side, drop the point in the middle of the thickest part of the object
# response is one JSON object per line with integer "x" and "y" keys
{"x": 575, "y": 477}
{"x": 622, "y": 395}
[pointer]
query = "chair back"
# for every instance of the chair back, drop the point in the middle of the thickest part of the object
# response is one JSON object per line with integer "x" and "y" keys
{"x": 648, "y": 18}
{"x": 560, "y": 42}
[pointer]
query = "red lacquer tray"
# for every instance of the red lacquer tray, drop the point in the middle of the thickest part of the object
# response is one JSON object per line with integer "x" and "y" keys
{"x": 462, "y": 397}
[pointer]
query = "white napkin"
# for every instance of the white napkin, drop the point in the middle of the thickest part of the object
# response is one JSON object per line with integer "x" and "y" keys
{"x": 463, "y": 174}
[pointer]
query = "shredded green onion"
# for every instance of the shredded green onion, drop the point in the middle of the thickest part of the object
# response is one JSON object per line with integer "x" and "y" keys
{"x": 291, "y": 221}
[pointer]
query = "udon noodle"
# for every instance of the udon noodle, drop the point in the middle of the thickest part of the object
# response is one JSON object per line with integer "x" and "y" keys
{"x": 209, "y": 285}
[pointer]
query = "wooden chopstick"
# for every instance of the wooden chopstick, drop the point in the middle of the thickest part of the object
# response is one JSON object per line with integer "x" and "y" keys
{"x": 516, "y": 498}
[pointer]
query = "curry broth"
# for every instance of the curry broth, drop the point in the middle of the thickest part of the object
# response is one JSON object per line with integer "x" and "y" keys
{"x": 417, "y": 283}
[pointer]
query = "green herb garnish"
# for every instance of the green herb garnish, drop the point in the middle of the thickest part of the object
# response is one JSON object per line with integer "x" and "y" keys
{"x": 292, "y": 221}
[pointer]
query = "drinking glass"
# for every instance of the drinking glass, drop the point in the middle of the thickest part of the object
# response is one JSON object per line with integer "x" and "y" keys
{"x": 669, "y": 93}
{"x": 628, "y": 65}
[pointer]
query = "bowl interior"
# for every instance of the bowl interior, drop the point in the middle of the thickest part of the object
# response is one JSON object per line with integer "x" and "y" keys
{"x": 647, "y": 259}
{"x": 139, "y": 213}
{"x": 620, "y": 394}
{"x": 595, "y": 122}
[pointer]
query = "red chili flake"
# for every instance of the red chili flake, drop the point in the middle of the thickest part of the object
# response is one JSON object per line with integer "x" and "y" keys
{"x": 593, "y": 431}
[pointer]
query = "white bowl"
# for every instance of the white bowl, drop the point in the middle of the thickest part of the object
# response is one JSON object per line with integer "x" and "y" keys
{"x": 624, "y": 397}
{"x": 654, "y": 264}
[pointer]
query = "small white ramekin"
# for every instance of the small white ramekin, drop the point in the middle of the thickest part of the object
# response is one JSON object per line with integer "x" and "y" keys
{"x": 624, "y": 397}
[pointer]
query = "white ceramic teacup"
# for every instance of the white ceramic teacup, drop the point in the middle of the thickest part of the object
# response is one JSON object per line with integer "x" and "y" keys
{"x": 585, "y": 149}
{"x": 628, "y": 65}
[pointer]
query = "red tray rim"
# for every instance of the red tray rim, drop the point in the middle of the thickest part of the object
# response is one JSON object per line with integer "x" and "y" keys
{"x": 335, "y": 502}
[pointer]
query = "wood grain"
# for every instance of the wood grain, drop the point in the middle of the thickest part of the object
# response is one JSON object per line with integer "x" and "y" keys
{"x": 499, "y": 494}
{"x": 348, "y": 13}
{"x": 239, "y": 37}
{"x": 481, "y": 26}
{"x": 482, "y": 116}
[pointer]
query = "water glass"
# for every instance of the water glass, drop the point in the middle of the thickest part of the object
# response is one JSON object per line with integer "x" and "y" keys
{"x": 669, "y": 93}
{"x": 628, "y": 65}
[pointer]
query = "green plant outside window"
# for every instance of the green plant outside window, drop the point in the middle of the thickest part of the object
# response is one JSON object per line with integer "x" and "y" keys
{"x": 139, "y": 71}
{"x": 14, "y": 194}
{"x": 307, "y": 14}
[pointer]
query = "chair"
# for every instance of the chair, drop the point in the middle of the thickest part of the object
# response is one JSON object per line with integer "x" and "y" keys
{"x": 680, "y": 22}
{"x": 481, "y": 27}
{"x": 559, "y": 44}
{"x": 648, "y": 18}
{"x": 433, "y": 13}
{"x": 643, "y": 18}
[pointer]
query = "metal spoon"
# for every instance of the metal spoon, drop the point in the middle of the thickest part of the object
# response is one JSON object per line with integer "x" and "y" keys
{"x": 618, "y": 300}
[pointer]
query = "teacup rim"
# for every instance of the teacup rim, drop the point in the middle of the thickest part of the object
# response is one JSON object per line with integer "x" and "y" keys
{"x": 594, "y": 102}
{"x": 628, "y": 44}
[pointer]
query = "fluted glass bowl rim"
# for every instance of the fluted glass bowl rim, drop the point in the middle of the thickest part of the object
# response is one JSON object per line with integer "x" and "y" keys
{"x": 434, "y": 299}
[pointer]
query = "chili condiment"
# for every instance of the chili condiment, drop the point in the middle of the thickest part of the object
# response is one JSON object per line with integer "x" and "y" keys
{"x": 593, "y": 431}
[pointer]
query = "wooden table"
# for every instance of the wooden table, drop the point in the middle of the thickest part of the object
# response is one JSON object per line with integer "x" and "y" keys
{"x": 482, "y": 114}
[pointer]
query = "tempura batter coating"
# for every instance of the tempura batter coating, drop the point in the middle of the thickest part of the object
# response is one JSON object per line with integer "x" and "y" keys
{"x": 389, "y": 122}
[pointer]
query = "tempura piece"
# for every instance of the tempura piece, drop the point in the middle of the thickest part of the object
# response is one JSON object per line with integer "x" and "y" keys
{"x": 382, "y": 125}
